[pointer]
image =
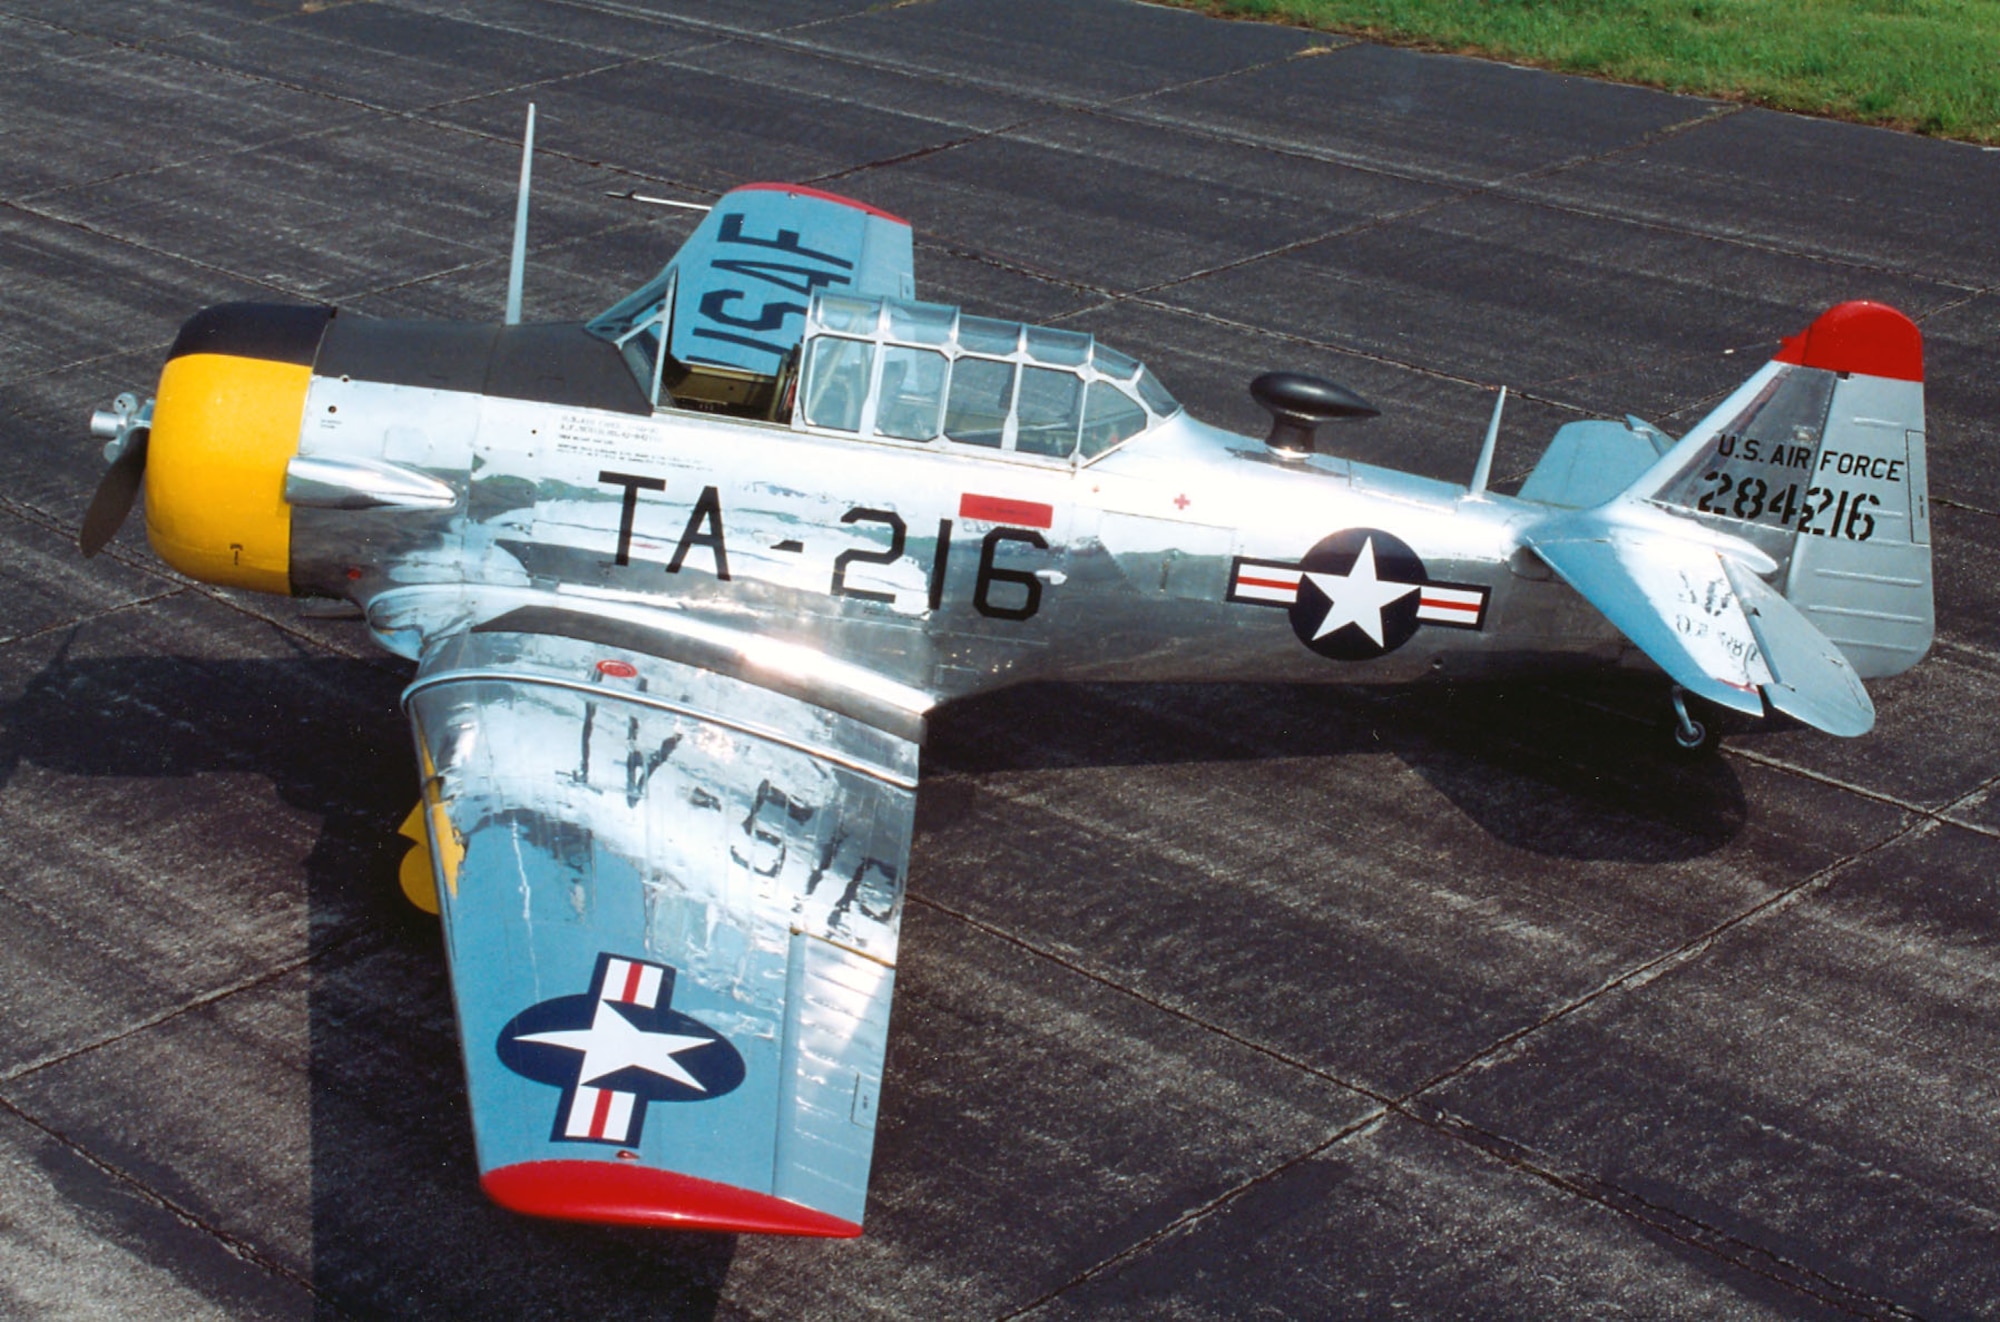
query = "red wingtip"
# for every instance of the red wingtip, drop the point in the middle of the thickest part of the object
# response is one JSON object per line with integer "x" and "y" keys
{"x": 643, "y": 1196}
{"x": 821, "y": 194}
{"x": 1870, "y": 338}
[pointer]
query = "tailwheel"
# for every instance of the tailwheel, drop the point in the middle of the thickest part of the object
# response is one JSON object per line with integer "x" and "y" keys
{"x": 419, "y": 881}
{"x": 1693, "y": 736}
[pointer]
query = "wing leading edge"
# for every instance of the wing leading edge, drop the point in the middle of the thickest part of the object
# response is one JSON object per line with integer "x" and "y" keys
{"x": 671, "y": 901}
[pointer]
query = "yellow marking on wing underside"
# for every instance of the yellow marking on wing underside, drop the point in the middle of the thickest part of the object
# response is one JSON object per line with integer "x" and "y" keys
{"x": 418, "y": 878}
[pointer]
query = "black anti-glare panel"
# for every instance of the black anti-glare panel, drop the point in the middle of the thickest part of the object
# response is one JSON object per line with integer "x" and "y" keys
{"x": 440, "y": 355}
{"x": 563, "y": 364}
{"x": 559, "y": 364}
{"x": 275, "y": 332}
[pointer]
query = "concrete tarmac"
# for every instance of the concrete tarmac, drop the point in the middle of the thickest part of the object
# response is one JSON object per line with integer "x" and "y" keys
{"x": 1249, "y": 1000}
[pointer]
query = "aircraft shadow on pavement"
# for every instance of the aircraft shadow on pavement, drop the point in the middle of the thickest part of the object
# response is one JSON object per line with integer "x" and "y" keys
{"x": 1581, "y": 768}
{"x": 397, "y": 1223}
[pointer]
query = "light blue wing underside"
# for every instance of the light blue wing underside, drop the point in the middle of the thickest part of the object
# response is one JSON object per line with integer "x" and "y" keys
{"x": 672, "y": 930}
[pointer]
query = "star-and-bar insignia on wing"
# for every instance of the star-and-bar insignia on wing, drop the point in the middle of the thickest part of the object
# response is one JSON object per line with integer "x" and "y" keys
{"x": 616, "y": 1048}
{"x": 1357, "y": 595}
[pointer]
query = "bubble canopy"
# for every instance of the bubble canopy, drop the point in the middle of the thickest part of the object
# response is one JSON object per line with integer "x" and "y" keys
{"x": 899, "y": 370}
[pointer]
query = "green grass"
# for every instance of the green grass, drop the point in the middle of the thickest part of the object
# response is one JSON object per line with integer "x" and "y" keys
{"x": 1928, "y": 65}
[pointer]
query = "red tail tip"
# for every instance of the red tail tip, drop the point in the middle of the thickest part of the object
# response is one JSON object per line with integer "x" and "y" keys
{"x": 644, "y": 1196}
{"x": 1870, "y": 338}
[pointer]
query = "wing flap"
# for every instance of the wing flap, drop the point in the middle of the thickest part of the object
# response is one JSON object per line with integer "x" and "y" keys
{"x": 672, "y": 927}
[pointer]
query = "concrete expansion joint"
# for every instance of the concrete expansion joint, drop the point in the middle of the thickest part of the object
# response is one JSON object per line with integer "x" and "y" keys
{"x": 1833, "y": 782}
{"x": 1102, "y": 980}
{"x": 937, "y": 245}
{"x": 234, "y": 1245}
{"x": 1651, "y": 138}
{"x": 156, "y": 349}
{"x": 1347, "y": 351}
{"x": 1730, "y": 240}
{"x": 1133, "y": 98}
{"x": 63, "y": 626}
{"x": 1650, "y": 970}
{"x": 207, "y": 998}
{"x": 84, "y": 227}
{"x": 1341, "y": 232}
{"x": 1965, "y": 506}
{"x": 1193, "y": 1216}
{"x": 1685, "y": 1230}
{"x": 931, "y": 149}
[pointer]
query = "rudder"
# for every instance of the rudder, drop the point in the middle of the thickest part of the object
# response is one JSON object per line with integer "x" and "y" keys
{"x": 1818, "y": 460}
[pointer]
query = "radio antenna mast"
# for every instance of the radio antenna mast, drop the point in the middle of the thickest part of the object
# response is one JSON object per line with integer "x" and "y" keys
{"x": 519, "y": 262}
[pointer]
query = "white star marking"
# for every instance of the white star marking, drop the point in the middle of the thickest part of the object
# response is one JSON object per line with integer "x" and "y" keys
{"x": 611, "y": 1044}
{"x": 1357, "y": 597}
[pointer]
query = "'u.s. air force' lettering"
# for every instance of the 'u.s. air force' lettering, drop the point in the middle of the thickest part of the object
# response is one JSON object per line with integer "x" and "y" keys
{"x": 616, "y": 1048}
{"x": 1357, "y": 595}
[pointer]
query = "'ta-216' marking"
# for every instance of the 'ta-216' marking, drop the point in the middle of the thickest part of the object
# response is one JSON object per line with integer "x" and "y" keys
{"x": 704, "y": 529}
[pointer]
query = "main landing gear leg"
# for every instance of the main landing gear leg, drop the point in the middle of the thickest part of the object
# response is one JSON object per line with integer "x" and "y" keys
{"x": 1692, "y": 737}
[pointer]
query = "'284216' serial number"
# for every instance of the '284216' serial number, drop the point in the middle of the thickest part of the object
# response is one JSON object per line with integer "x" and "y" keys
{"x": 1817, "y": 511}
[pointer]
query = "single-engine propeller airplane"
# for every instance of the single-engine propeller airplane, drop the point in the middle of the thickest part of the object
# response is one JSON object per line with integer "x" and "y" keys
{"x": 682, "y": 583}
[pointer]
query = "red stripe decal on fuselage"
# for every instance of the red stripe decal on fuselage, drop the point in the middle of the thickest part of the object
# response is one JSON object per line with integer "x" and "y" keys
{"x": 999, "y": 509}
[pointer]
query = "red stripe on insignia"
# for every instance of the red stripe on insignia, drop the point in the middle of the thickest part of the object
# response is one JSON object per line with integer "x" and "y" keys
{"x": 998, "y": 509}
{"x": 601, "y": 1114}
{"x": 1282, "y": 585}
{"x": 633, "y": 972}
{"x": 1438, "y": 604}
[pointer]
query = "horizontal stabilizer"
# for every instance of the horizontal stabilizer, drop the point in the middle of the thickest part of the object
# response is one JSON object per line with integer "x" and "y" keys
{"x": 1702, "y": 613}
{"x": 1810, "y": 679}
{"x": 1673, "y": 599}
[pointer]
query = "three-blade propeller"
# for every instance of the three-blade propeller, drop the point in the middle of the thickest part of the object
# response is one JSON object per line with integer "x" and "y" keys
{"x": 126, "y": 426}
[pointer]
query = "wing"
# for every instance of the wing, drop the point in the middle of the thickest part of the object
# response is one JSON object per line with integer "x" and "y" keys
{"x": 670, "y": 901}
{"x": 1692, "y": 602}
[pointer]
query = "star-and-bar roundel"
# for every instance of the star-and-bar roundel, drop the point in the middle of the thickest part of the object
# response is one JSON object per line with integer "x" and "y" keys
{"x": 616, "y": 1048}
{"x": 1357, "y": 595}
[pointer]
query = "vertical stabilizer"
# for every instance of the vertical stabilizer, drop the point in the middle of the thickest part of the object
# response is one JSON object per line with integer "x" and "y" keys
{"x": 1818, "y": 460}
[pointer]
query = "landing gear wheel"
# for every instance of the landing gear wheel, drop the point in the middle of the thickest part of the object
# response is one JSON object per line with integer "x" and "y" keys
{"x": 1693, "y": 738}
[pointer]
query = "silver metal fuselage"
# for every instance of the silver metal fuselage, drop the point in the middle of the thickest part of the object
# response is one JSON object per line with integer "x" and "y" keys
{"x": 812, "y": 561}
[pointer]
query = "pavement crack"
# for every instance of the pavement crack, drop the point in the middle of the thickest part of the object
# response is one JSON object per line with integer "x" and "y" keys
{"x": 236, "y": 1245}
{"x": 1684, "y": 1230}
{"x": 80, "y": 621}
{"x": 207, "y": 998}
{"x": 1199, "y": 1213}
{"x": 1349, "y": 351}
{"x": 1131, "y": 993}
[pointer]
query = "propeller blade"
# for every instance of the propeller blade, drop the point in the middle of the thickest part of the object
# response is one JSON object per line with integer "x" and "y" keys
{"x": 114, "y": 497}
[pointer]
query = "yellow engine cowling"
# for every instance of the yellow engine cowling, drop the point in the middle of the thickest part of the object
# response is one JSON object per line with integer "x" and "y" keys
{"x": 225, "y": 424}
